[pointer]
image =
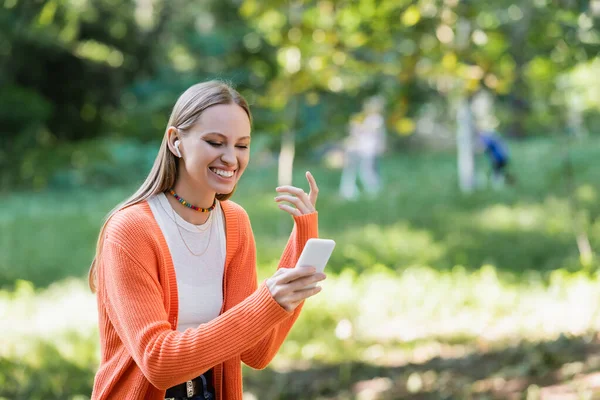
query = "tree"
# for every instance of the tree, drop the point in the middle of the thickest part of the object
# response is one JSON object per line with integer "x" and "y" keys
{"x": 64, "y": 67}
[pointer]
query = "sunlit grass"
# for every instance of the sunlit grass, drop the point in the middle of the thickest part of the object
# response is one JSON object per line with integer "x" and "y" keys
{"x": 49, "y": 342}
{"x": 56, "y": 315}
{"x": 373, "y": 317}
{"x": 386, "y": 318}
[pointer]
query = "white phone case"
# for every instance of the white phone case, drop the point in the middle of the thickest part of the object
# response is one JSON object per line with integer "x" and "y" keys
{"x": 316, "y": 253}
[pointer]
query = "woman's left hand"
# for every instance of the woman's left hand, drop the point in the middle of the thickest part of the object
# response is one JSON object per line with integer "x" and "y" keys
{"x": 304, "y": 203}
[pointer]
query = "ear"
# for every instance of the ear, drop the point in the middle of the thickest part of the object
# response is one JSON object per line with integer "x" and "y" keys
{"x": 173, "y": 137}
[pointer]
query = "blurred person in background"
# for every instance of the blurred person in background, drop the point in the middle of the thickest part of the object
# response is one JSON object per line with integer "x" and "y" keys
{"x": 179, "y": 305}
{"x": 498, "y": 156}
{"x": 364, "y": 144}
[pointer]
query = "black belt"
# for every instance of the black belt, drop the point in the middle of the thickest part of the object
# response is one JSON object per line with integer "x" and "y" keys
{"x": 200, "y": 386}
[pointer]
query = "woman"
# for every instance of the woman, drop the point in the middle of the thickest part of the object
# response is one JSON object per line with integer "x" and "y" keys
{"x": 175, "y": 267}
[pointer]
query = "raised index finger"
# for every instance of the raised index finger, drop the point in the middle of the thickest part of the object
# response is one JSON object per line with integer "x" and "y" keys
{"x": 314, "y": 189}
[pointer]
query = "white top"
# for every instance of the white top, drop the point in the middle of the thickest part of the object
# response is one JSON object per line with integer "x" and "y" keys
{"x": 200, "y": 276}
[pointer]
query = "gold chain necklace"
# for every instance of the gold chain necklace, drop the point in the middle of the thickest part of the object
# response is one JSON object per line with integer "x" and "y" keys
{"x": 207, "y": 223}
{"x": 183, "y": 240}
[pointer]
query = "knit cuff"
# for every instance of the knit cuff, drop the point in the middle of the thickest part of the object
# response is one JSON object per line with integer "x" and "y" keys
{"x": 272, "y": 306}
{"x": 307, "y": 226}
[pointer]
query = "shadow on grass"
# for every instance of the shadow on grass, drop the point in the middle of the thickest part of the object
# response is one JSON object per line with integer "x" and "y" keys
{"x": 541, "y": 368}
{"x": 558, "y": 366}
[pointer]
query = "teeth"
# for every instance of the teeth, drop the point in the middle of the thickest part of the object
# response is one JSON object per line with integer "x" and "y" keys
{"x": 226, "y": 174}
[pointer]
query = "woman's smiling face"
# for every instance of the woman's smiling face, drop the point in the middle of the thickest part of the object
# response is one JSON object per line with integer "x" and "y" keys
{"x": 216, "y": 150}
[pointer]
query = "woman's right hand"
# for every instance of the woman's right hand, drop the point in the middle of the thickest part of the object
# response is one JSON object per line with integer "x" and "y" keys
{"x": 288, "y": 286}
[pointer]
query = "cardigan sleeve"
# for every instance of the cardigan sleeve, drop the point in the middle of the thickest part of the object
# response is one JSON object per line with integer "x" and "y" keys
{"x": 261, "y": 354}
{"x": 131, "y": 293}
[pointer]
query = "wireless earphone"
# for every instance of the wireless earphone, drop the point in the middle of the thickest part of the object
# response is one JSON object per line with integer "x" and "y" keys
{"x": 177, "y": 148}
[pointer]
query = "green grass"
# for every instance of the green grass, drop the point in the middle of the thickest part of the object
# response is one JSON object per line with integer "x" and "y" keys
{"x": 422, "y": 271}
{"x": 420, "y": 218}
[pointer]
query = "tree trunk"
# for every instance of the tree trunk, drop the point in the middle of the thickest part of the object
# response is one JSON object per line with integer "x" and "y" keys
{"x": 285, "y": 170}
{"x": 288, "y": 139}
{"x": 288, "y": 146}
{"x": 520, "y": 55}
{"x": 465, "y": 146}
{"x": 578, "y": 217}
{"x": 286, "y": 158}
{"x": 575, "y": 116}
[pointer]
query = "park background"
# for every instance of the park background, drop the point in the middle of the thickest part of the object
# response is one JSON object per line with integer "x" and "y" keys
{"x": 441, "y": 286}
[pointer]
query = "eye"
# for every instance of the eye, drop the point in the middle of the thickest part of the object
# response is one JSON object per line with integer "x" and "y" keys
{"x": 214, "y": 144}
{"x": 241, "y": 146}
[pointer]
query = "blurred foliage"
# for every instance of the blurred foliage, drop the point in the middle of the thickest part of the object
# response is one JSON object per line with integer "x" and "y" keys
{"x": 74, "y": 71}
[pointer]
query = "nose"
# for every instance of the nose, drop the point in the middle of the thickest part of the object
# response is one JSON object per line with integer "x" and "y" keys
{"x": 228, "y": 156}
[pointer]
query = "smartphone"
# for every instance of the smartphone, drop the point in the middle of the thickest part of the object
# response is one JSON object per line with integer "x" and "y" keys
{"x": 316, "y": 253}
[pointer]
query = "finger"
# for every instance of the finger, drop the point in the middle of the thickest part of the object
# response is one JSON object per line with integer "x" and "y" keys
{"x": 309, "y": 291}
{"x": 299, "y": 193}
{"x": 300, "y": 205}
{"x": 304, "y": 294}
{"x": 293, "y": 300}
{"x": 291, "y": 274}
{"x": 314, "y": 189}
{"x": 293, "y": 306}
{"x": 302, "y": 283}
{"x": 292, "y": 190}
{"x": 293, "y": 211}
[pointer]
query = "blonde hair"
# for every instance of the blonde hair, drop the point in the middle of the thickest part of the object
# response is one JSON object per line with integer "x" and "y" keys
{"x": 162, "y": 176}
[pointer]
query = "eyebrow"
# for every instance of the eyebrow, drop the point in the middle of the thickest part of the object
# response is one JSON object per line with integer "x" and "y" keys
{"x": 223, "y": 136}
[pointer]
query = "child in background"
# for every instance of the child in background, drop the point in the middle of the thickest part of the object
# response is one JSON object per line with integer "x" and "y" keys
{"x": 498, "y": 156}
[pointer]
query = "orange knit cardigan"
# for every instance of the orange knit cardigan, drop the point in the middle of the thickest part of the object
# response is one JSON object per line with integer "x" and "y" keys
{"x": 142, "y": 353}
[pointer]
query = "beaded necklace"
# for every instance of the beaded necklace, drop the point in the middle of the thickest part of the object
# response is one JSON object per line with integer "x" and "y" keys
{"x": 193, "y": 207}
